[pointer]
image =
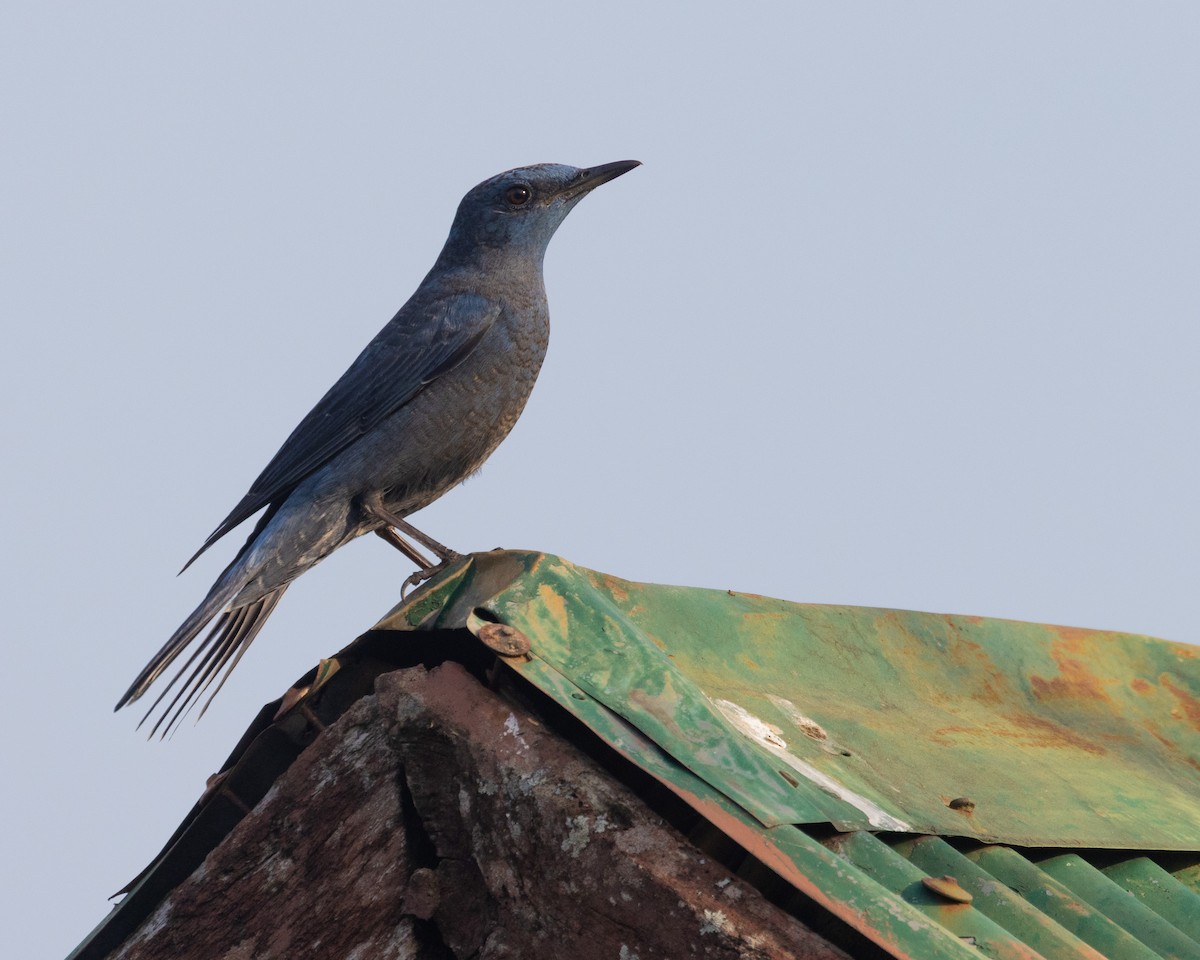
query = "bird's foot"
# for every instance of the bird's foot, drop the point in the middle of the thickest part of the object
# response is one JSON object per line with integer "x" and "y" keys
{"x": 397, "y": 531}
{"x": 418, "y": 577}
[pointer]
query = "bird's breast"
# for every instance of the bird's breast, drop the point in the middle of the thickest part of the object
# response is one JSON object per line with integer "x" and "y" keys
{"x": 446, "y": 432}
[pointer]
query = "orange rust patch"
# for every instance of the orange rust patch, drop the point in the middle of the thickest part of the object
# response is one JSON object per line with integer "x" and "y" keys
{"x": 989, "y": 683}
{"x": 989, "y": 693}
{"x": 965, "y": 667}
{"x": 1141, "y": 685}
{"x": 984, "y": 690}
{"x": 1047, "y": 733}
{"x": 615, "y": 588}
{"x": 1074, "y": 636}
{"x": 1025, "y": 731}
{"x": 556, "y": 606}
{"x": 1075, "y": 681}
{"x": 1187, "y": 705}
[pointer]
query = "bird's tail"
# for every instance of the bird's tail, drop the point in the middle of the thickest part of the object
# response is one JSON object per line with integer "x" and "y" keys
{"x": 225, "y": 643}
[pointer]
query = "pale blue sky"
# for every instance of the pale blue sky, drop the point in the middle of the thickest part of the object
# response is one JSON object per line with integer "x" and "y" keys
{"x": 900, "y": 311}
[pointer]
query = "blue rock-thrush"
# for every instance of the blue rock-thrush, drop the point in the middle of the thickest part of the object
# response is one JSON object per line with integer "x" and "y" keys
{"x": 418, "y": 412}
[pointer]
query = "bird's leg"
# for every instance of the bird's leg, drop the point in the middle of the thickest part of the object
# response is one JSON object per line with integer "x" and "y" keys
{"x": 372, "y": 506}
{"x": 445, "y": 554}
{"x": 406, "y": 548}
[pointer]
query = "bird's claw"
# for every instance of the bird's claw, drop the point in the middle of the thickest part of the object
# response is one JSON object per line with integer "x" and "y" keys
{"x": 418, "y": 577}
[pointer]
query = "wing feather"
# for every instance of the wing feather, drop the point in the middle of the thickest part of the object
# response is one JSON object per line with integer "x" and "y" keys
{"x": 421, "y": 343}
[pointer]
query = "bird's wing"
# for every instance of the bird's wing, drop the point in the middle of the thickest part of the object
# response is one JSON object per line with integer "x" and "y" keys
{"x": 414, "y": 349}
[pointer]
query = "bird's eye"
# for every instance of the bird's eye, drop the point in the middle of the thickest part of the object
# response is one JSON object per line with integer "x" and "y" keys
{"x": 518, "y": 195}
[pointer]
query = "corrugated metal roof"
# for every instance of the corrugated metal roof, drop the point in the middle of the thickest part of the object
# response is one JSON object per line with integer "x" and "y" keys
{"x": 1002, "y": 731}
{"x": 947, "y": 786}
{"x": 934, "y": 744}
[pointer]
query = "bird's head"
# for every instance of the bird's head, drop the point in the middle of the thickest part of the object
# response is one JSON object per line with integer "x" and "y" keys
{"x": 519, "y": 210}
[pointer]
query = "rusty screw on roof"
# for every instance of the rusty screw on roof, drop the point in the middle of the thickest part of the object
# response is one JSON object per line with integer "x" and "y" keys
{"x": 947, "y": 887}
{"x": 505, "y": 640}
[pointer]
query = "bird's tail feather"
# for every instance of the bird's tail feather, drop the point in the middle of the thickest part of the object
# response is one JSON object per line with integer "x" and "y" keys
{"x": 221, "y": 593}
{"x": 229, "y": 638}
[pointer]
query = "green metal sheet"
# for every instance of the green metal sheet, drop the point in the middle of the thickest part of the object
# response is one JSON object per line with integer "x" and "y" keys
{"x": 863, "y": 714}
{"x": 1189, "y": 876}
{"x": 865, "y": 718}
{"x": 996, "y": 900}
{"x": 1158, "y": 890}
{"x": 1060, "y": 903}
{"x": 905, "y": 880}
{"x": 1117, "y": 903}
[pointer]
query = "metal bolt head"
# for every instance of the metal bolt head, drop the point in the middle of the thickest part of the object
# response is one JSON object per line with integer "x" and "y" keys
{"x": 947, "y": 887}
{"x": 505, "y": 640}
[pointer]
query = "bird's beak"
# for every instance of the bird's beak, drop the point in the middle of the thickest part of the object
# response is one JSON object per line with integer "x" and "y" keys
{"x": 592, "y": 177}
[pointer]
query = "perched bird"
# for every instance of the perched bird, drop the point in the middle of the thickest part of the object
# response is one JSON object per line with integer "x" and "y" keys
{"x": 420, "y": 410}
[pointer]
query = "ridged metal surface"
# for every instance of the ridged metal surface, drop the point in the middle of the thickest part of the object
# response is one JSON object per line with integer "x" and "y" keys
{"x": 1042, "y": 904}
{"x": 995, "y": 783}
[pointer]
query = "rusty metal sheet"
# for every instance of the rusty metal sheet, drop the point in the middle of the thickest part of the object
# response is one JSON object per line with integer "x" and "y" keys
{"x": 864, "y": 718}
